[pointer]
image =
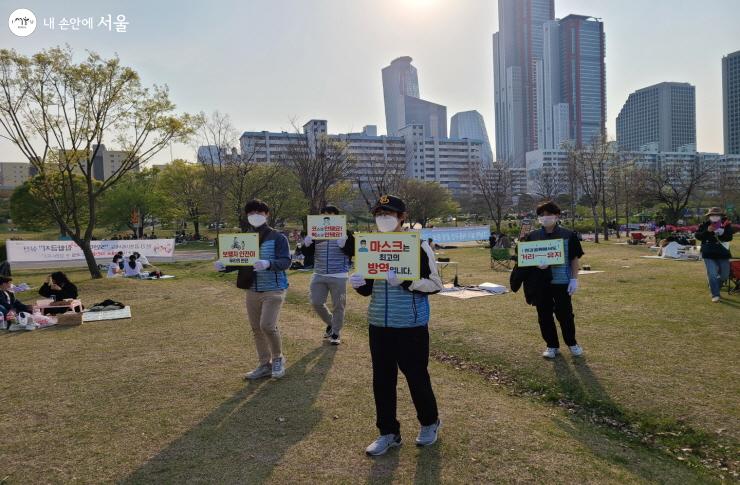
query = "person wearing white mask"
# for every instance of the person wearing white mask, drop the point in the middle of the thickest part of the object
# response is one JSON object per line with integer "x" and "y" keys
{"x": 266, "y": 283}
{"x": 398, "y": 317}
{"x": 715, "y": 235}
{"x": 563, "y": 284}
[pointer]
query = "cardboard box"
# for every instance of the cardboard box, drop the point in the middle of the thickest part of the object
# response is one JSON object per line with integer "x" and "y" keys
{"x": 69, "y": 319}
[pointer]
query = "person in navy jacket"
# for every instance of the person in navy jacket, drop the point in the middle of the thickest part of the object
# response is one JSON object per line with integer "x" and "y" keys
{"x": 398, "y": 317}
{"x": 266, "y": 283}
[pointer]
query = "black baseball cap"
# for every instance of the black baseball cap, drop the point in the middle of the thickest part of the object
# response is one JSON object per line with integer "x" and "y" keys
{"x": 390, "y": 203}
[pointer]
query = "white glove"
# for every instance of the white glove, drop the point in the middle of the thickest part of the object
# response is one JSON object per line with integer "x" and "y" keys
{"x": 342, "y": 241}
{"x": 357, "y": 280}
{"x": 572, "y": 286}
{"x": 543, "y": 266}
{"x": 392, "y": 278}
{"x": 219, "y": 266}
{"x": 261, "y": 265}
{"x": 719, "y": 231}
{"x": 307, "y": 241}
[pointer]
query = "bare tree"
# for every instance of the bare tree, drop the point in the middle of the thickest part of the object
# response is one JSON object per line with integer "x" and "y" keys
{"x": 590, "y": 164}
{"x": 549, "y": 183}
{"x": 381, "y": 176}
{"x": 60, "y": 113}
{"x": 494, "y": 187}
{"x": 675, "y": 183}
{"x": 319, "y": 162}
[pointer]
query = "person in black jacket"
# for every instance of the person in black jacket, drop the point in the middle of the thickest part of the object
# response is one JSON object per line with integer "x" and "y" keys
{"x": 715, "y": 235}
{"x": 8, "y": 301}
{"x": 57, "y": 285}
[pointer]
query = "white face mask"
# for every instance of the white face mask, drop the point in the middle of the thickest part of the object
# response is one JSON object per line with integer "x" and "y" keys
{"x": 715, "y": 218}
{"x": 386, "y": 223}
{"x": 548, "y": 221}
{"x": 256, "y": 220}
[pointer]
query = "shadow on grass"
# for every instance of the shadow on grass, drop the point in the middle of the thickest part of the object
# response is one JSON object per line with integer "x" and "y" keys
{"x": 243, "y": 439}
{"x": 579, "y": 383}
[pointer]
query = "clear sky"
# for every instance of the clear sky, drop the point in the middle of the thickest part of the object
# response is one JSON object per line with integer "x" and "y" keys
{"x": 267, "y": 62}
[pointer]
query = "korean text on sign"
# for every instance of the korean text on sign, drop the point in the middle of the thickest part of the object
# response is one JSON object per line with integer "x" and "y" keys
{"x": 327, "y": 226}
{"x": 238, "y": 249}
{"x": 376, "y": 253}
{"x": 546, "y": 252}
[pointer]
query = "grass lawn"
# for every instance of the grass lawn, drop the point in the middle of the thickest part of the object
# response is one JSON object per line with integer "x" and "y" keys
{"x": 159, "y": 398}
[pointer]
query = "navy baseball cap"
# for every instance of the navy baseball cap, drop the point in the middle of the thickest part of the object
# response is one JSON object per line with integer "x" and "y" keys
{"x": 390, "y": 203}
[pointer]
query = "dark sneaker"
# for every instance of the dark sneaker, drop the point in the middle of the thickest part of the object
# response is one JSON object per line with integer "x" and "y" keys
{"x": 428, "y": 434}
{"x": 383, "y": 443}
{"x": 327, "y": 332}
{"x": 258, "y": 373}
{"x": 278, "y": 367}
{"x": 335, "y": 340}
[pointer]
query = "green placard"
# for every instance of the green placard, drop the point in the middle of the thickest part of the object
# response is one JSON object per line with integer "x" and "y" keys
{"x": 535, "y": 253}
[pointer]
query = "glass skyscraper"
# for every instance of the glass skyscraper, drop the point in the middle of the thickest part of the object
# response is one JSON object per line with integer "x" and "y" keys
{"x": 731, "y": 102}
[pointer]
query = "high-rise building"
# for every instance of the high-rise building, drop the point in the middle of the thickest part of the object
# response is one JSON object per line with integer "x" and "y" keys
{"x": 731, "y": 102}
{"x": 403, "y": 104}
{"x": 13, "y": 174}
{"x": 470, "y": 124}
{"x": 661, "y": 118}
{"x": 583, "y": 77}
{"x": 517, "y": 47}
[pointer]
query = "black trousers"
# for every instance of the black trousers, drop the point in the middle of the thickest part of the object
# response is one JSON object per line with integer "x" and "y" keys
{"x": 556, "y": 300}
{"x": 406, "y": 349}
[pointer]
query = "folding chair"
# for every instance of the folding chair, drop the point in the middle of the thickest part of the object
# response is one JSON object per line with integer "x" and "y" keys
{"x": 500, "y": 259}
{"x": 733, "y": 283}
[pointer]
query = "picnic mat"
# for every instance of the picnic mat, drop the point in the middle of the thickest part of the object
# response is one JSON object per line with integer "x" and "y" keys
{"x": 163, "y": 277}
{"x": 671, "y": 259}
{"x": 467, "y": 292}
{"x": 583, "y": 271}
{"x": 124, "y": 312}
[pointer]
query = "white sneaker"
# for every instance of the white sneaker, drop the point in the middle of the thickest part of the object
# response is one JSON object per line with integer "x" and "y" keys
{"x": 383, "y": 443}
{"x": 278, "y": 367}
{"x": 715, "y": 299}
{"x": 428, "y": 434}
{"x": 550, "y": 353}
{"x": 576, "y": 350}
{"x": 335, "y": 340}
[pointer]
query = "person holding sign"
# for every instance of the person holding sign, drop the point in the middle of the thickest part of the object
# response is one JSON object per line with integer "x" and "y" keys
{"x": 555, "y": 297}
{"x": 266, "y": 284}
{"x": 715, "y": 234}
{"x": 398, "y": 317}
{"x": 330, "y": 271}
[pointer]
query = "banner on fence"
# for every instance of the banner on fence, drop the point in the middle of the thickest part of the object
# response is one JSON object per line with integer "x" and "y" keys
{"x": 456, "y": 234}
{"x": 40, "y": 251}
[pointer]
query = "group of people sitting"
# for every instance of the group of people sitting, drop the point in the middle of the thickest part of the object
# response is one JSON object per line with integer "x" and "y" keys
{"x": 132, "y": 267}
{"x": 57, "y": 287}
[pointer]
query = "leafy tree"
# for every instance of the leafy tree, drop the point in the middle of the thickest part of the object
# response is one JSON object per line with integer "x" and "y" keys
{"x": 184, "y": 187}
{"x": 133, "y": 202}
{"x": 29, "y": 208}
{"x": 426, "y": 201}
{"x": 59, "y": 113}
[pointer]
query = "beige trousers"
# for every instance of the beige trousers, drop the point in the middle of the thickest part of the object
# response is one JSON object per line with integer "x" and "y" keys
{"x": 263, "y": 309}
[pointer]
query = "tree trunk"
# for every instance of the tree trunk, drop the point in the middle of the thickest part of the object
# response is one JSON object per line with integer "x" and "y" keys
{"x": 595, "y": 215}
{"x": 92, "y": 265}
{"x": 196, "y": 227}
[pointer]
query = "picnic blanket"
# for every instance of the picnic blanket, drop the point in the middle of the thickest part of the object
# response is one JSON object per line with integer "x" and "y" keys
{"x": 467, "y": 292}
{"x": 583, "y": 271}
{"x": 122, "y": 313}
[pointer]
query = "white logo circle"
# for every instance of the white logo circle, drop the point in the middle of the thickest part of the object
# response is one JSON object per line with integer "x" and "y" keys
{"x": 22, "y": 22}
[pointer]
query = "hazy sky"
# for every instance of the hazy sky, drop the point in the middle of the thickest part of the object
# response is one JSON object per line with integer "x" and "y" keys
{"x": 267, "y": 62}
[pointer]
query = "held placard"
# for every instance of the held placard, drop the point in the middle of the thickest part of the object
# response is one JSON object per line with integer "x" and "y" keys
{"x": 327, "y": 226}
{"x": 241, "y": 249}
{"x": 378, "y": 252}
{"x": 535, "y": 253}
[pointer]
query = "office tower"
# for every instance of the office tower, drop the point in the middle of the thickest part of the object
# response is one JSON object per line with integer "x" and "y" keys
{"x": 470, "y": 124}
{"x": 731, "y": 102}
{"x": 517, "y": 47}
{"x": 659, "y": 118}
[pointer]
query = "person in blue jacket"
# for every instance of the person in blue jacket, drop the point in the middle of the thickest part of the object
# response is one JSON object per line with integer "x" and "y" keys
{"x": 398, "y": 317}
{"x": 332, "y": 259}
{"x": 266, "y": 283}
